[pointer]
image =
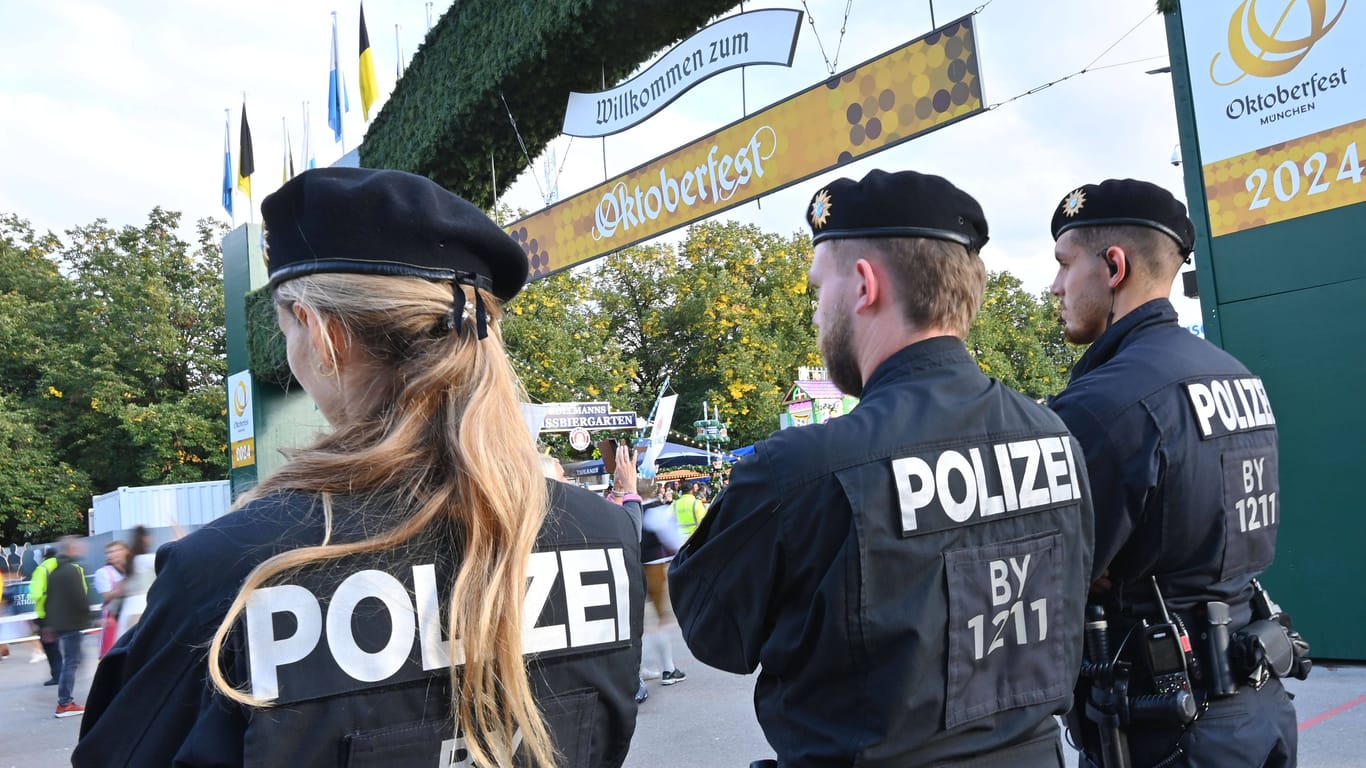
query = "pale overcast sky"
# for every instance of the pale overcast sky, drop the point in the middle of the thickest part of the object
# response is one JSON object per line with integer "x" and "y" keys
{"x": 111, "y": 108}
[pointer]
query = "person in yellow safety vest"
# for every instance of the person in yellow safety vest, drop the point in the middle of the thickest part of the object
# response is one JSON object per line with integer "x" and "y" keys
{"x": 690, "y": 510}
{"x": 37, "y": 590}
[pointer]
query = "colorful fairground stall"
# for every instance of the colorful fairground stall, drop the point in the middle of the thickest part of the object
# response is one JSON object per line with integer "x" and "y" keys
{"x": 813, "y": 399}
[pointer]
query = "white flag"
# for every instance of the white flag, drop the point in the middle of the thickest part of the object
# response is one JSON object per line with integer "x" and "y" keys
{"x": 659, "y": 434}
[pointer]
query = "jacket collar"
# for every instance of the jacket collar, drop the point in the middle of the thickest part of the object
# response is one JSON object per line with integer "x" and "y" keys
{"x": 937, "y": 352}
{"x": 1154, "y": 313}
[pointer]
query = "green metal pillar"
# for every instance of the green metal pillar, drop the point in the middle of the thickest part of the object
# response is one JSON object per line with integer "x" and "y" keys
{"x": 1289, "y": 300}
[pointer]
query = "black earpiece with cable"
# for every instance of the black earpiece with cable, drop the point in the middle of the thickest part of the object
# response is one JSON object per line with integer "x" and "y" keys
{"x": 1104, "y": 256}
{"x": 1113, "y": 267}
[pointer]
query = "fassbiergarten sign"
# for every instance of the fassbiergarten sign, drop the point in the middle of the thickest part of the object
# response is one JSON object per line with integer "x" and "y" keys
{"x": 567, "y": 417}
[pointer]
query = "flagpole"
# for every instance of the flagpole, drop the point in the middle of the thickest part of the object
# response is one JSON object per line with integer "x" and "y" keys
{"x": 398, "y": 46}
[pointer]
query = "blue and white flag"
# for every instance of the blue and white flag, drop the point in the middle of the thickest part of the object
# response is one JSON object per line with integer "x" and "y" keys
{"x": 309, "y": 161}
{"x": 227, "y": 164}
{"x": 336, "y": 89}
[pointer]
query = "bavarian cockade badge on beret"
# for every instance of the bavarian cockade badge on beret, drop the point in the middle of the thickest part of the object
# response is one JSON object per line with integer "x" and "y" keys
{"x": 901, "y": 204}
{"x": 1071, "y": 205}
{"x": 1125, "y": 203}
{"x": 820, "y": 209}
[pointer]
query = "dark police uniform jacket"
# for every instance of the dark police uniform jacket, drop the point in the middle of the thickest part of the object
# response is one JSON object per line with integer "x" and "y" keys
{"x": 910, "y": 576}
{"x": 354, "y": 651}
{"x": 1180, "y": 444}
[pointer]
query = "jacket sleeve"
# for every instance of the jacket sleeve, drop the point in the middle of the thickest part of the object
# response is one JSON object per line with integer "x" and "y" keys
{"x": 632, "y": 508}
{"x": 723, "y": 578}
{"x": 151, "y": 698}
{"x": 1123, "y": 464}
{"x": 152, "y": 701}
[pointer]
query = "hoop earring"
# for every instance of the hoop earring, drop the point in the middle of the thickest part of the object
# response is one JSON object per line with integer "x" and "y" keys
{"x": 326, "y": 373}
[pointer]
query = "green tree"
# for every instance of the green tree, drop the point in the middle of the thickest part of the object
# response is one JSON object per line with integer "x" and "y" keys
{"x": 112, "y": 348}
{"x": 559, "y": 343}
{"x": 726, "y": 317}
{"x": 748, "y": 289}
{"x": 1017, "y": 338}
{"x": 41, "y": 496}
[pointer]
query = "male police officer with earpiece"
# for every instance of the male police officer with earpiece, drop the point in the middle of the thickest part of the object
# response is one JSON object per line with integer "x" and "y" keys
{"x": 1180, "y": 443}
{"x": 910, "y": 576}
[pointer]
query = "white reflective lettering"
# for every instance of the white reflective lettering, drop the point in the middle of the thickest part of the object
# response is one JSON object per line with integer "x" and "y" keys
{"x": 1054, "y": 471}
{"x": 1021, "y": 570}
{"x": 579, "y": 597}
{"x": 622, "y": 583}
{"x": 1000, "y": 582}
{"x": 991, "y": 505}
{"x": 265, "y": 652}
{"x": 541, "y": 571}
{"x": 958, "y": 510}
{"x": 435, "y": 650}
{"x": 1203, "y": 402}
{"x": 354, "y": 660}
{"x": 1223, "y": 403}
{"x": 1031, "y": 493}
{"x": 1007, "y": 476}
{"x": 912, "y": 499}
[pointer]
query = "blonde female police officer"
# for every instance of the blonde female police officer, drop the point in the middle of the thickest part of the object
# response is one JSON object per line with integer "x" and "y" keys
{"x": 409, "y": 590}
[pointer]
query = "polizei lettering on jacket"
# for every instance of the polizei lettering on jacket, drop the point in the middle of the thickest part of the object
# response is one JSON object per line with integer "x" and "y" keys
{"x": 975, "y": 484}
{"x": 371, "y": 628}
{"x": 1223, "y": 406}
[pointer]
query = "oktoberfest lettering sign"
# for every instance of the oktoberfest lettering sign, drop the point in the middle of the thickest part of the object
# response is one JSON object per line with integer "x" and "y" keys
{"x": 919, "y": 87}
{"x": 1280, "y": 106}
{"x": 757, "y": 37}
{"x": 567, "y": 417}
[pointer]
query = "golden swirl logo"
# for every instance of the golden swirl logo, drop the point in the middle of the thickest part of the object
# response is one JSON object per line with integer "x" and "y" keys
{"x": 1255, "y": 50}
{"x": 239, "y": 399}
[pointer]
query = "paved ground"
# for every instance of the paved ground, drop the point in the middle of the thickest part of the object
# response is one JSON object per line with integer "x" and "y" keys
{"x": 706, "y": 721}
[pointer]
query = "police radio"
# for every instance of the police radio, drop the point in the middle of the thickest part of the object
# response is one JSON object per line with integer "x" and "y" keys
{"x": 1166, "y": 662}
{"x": 1166, "y": 648}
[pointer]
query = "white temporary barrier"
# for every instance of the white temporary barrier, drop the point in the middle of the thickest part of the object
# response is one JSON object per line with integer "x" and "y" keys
{"x": 188, "y": 505}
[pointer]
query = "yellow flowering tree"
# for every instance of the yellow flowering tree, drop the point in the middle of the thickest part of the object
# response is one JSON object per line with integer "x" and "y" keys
{"x": 558, "y": 342}
{"x": 726, "y": 315}
{"x": 1018, "y": 339}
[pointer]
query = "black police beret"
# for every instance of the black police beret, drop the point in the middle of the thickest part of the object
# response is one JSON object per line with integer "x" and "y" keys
{"x": 379, "y": 222}
{"x": 901, "y": 204}
{"x": 1125, "y": 202}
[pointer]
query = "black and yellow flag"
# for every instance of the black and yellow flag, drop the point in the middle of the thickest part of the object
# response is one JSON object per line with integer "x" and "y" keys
{"x": 369, "y": 89}
{"x": 246, "y": 164}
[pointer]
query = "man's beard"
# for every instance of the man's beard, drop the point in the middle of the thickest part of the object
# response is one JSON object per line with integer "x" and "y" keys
{"x": 1087, "y": 315}
{"x": 837, "y": 347}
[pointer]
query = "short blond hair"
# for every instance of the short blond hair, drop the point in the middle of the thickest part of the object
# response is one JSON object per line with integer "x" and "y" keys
{"x": 937, "y": 283}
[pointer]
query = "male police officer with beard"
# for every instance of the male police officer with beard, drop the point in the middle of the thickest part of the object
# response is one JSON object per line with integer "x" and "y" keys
{"x": 910, "y": 576}
{"x": 1180, "y": 443}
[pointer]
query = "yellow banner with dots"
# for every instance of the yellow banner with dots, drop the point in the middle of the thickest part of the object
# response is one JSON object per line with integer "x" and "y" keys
{"x": 1308, "y": 175}
{"x": 916, "y": 88}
